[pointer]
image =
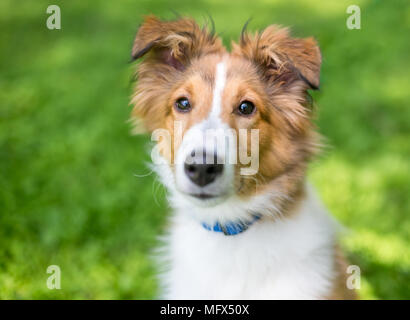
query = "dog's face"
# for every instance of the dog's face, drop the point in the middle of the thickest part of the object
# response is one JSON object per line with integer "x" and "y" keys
{"x": 237, "y": 122}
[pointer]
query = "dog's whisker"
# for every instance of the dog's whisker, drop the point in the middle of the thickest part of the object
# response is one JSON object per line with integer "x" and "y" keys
{"x": 143, "y": 175}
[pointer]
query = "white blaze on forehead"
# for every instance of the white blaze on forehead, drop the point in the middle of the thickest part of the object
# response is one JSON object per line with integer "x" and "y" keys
{"x": 208, "y": 135}
{"x": 220, "y": 79}
{"x": 208, "y": 138}
{"x": 213, "y": 129}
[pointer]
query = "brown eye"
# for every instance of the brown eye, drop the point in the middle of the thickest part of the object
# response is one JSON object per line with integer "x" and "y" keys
{"x": 183, "y": 105}
{"x": 246, "y": 108}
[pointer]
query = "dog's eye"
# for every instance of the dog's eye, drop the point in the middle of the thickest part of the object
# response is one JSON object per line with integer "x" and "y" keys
{"x": 183, "y": 105}
{"x": 246, "y": 108}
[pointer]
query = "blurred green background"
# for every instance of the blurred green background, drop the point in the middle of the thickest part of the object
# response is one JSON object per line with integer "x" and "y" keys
{"x": 68, "y": 194}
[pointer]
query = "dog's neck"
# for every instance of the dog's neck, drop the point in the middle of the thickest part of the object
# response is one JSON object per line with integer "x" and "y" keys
{"x": 269, "y": 205}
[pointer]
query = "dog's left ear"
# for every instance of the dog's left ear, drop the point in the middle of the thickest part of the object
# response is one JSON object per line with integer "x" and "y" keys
{"x": 282, "y": 57}
{"x": 173, "y": 43}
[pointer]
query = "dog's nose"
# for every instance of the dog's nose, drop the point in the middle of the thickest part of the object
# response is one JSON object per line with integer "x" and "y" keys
{"x": 203, "y": 174}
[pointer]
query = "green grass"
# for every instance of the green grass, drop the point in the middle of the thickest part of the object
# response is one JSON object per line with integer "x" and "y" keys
{"x": 68, "y": 194}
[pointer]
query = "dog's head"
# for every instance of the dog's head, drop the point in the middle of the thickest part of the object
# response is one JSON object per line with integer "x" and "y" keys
{"x": 230, "y": 126}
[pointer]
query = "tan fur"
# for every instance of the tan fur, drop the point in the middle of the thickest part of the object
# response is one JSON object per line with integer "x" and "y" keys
{"x": 167, "y": 45}
{"x": 340, "y": 290}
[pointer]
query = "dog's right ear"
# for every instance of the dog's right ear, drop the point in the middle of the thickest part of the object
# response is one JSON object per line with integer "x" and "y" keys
{"x": 173, "y": 43}
{"x": 282, "y": 57}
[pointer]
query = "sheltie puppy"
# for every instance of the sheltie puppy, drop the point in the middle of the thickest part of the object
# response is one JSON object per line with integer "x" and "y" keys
{"x": 234, "y": 136}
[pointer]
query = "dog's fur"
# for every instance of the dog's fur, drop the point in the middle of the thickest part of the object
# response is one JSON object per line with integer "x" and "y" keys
{"x": 291, "y": 252}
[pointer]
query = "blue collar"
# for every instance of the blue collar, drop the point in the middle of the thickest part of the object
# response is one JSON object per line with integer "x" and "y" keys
{"x": 232, "y": 228}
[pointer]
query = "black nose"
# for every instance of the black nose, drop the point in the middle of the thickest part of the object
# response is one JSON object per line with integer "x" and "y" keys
{"x": 203, "y": 174}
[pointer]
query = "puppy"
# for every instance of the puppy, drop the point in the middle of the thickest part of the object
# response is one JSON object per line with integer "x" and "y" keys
{"x": 245, "y": 224}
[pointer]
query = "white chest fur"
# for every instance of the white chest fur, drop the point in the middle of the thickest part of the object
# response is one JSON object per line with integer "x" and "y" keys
{"x": 290, "y": 258}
